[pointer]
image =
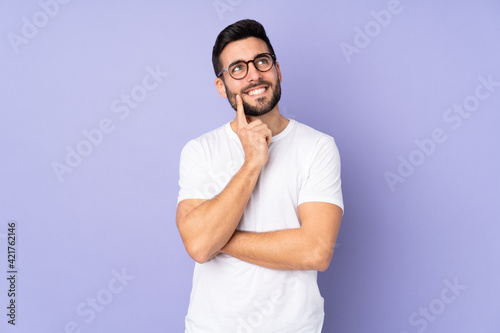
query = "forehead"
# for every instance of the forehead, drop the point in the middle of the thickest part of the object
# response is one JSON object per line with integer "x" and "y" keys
{"x": 244, "y": 49}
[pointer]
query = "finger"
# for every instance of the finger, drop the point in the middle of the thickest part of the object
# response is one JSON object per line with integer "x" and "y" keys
{"x": 241, "y": 120}
{"x": 256, "y": 125}
{"x": 263, "y": 129}
{"x": 269, "y": 136}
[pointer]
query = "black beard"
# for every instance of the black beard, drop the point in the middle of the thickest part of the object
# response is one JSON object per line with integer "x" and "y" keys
{"x": 262, "y": 107}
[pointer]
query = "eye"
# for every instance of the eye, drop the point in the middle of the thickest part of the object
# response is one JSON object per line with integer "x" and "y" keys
{"x": 262, "y": 61}
{"x": 237, "y": 68}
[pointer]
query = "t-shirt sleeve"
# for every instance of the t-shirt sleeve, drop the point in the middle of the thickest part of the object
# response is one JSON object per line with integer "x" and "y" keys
{"x": 192, "y": 173}
{"x": 323, "y": 182}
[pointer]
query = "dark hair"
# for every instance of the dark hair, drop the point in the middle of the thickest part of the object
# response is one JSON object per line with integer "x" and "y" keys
{"x": 239, "y": 30}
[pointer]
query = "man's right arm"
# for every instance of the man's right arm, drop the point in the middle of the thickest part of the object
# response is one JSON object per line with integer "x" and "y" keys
{"x": 206, "y": 226}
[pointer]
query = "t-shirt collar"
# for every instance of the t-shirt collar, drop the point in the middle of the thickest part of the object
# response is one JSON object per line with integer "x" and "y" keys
{"x": 277, "y": 137}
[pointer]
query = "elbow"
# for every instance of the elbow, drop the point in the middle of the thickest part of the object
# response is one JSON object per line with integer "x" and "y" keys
{"x": 201, "y": 249}
{"x": 321, "y": 259}
{"x": 198, "y": 253}
{"x": 194, "y": 245}
{"x": 199, "y": 259}
{"x": 323, "y": 265}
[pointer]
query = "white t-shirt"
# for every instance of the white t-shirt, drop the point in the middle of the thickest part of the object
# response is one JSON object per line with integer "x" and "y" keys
{"x": 230, "y": 295}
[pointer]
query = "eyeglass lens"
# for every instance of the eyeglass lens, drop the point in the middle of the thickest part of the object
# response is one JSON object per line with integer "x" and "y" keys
{"x": 262, "y": 62}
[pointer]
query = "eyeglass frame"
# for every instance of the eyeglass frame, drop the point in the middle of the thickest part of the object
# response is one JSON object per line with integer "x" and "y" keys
{"x": 273, "y": 57}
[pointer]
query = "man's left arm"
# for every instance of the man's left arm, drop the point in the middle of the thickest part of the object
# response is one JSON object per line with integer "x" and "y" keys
{"x": 309, "y": 247}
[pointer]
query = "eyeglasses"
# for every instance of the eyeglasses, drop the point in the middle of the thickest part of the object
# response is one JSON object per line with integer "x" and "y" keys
{"x": 239, "y": 69}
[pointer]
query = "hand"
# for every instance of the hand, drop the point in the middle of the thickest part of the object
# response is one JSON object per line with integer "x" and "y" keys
{"x": 255, "y": 136}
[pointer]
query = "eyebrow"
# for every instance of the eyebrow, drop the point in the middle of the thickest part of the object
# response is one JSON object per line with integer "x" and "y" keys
{"x": 241, "y": 60}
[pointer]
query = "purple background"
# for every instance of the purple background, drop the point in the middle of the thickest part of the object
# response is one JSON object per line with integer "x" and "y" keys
{"x": 399, "y": 248}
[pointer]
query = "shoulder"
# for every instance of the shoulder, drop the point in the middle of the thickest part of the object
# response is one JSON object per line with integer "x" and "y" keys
{"x": 313, "y": 145}
{"x": 310, "y": 135}
{"x": 210, "y": 138}
{"x": 216, "y": 134}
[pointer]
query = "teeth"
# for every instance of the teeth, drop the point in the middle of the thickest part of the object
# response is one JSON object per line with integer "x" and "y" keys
{"x": 257, "y": 91}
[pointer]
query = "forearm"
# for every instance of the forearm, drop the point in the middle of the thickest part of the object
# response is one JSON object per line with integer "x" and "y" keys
{"x": 209, "y": 226}
{"x": 288, "y": 249}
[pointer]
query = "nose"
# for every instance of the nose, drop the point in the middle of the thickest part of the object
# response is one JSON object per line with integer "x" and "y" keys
{"x": 253, "y": 73}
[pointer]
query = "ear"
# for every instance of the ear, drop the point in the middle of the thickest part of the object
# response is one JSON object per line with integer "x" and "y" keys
{"x": 278, "y": 70}
{"x": 221, "y": 87}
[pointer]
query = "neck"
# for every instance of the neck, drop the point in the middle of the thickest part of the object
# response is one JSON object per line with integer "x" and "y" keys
{"x": 273, "y": 119}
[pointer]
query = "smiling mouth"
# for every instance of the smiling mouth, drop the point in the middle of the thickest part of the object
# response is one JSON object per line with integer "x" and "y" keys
{"x": 257, "y": 91}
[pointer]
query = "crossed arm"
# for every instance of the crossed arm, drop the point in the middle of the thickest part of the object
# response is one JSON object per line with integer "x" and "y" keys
{"x": 309, "y": 247}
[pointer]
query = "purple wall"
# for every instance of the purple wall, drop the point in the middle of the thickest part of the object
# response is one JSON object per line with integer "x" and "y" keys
{"x": 97, "y": 101}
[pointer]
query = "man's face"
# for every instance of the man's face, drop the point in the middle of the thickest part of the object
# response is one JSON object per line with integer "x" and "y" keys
{"x": 260, "y": 91}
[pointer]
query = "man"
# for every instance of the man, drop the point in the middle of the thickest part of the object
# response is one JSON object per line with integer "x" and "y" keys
{"x": 260, "y": 202}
